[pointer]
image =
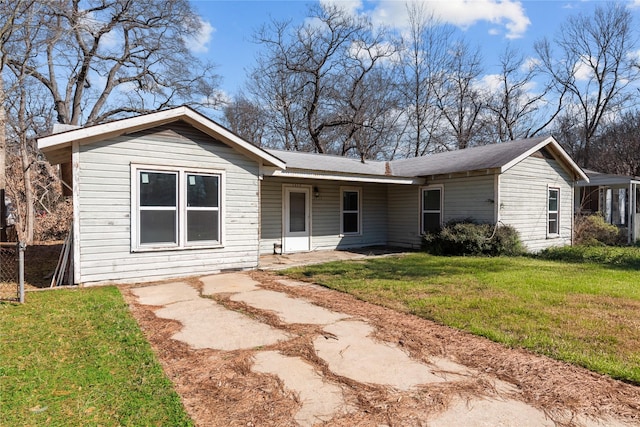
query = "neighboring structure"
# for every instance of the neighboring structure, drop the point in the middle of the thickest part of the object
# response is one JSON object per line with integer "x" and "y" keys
{"x": 173, "y": 194}
{"x": 615, "y": 197}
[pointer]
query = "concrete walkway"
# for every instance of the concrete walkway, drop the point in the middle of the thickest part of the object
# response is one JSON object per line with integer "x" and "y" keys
{"x": 282, "y": 261}
{"x": 346, "y": 345}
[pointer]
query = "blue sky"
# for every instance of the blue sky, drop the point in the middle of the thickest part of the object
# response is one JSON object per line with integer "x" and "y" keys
{"x": 491, "y": 24}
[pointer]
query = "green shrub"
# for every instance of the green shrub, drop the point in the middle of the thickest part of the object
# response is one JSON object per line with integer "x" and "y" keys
{"x": 593, "y": 230}
{"x": 469, "y": 238}
{"x": 506, "y": 241}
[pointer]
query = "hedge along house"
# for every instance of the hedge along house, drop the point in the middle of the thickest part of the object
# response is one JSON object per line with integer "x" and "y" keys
{"x": 173, "y": 194}
{"x": 615, "y": 197}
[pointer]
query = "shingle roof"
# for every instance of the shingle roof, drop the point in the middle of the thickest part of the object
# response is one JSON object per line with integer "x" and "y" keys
{"x": 470, "y": 159}
{"x": 599, "y": 178}
{"x": 328, "y": 163}
{"x": 495, "y": 156}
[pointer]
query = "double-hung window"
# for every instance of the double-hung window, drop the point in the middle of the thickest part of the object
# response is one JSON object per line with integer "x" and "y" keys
{"x": 431, "y": 209}
{"x": 553, "y": 218}
{"x": 175, "y": 208}
{"x": 158, "y": 208}
{"x": 350, "y": 207}
{"x": 203, "y": 208}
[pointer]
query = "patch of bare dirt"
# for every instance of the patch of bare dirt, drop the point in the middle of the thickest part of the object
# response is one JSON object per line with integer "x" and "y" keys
{"x": 219, "y": 388}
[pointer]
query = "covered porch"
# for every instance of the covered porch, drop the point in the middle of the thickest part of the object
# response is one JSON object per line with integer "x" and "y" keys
{"x": 615, "y": 197}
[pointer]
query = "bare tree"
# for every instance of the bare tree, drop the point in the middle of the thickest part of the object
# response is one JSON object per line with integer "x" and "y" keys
{"x": 93, "y": 61}
{"x": 593, "y": 67}
{"x": 373, "y": 107}
{"x": 618, "y": 146}
{"x": 101, "y": 59}
{"x": 422, "y": 65}
{"x": 458, "y": 97}
{"x": 313, "y": 78}
{"x": 246, "y": 119}
{"x": 276, "y": 92}
{"x": 14, "y": 13}
{"x": 29, "y": 114}
{"x": 516, "y": 109}
{"x": 9, "y": 11}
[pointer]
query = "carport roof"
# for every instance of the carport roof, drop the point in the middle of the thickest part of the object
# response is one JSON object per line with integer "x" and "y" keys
{"x": 598, "y": 178}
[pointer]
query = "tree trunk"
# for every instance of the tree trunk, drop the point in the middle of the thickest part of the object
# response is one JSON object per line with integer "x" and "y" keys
{"x": 3, "y": 153}
{"x": 28, "y": 224}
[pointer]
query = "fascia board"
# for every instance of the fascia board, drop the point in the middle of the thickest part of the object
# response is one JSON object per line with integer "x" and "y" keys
{"x": 557, "y": 149}
{"x": 135, "y": 124}
{"x": 330, "y": 176}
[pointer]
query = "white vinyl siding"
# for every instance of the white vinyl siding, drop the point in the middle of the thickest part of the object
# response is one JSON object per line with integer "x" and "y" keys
{"x": 463, "y": 197}
{"x": 403, "y": 211}
{"x": 468, "y": 197}
{"x": 325, "y": 214}
{"x": 524, "y": 200}
{"x": 104, "y": 181}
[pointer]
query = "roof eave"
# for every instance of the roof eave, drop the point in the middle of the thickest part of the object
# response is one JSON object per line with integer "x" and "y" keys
{"x": 336, "y": 176}
{"x": 64, "y": 140}
{"x": 559, "y": 151}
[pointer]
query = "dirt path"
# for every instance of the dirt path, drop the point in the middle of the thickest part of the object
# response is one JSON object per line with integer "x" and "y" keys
{"x": 224, "y": 388}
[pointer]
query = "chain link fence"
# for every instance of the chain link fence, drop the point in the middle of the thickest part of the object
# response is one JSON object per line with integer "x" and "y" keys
{"x": 12, "y": 272}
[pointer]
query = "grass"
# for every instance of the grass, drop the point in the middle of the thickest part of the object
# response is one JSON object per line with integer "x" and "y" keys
{"x": 77, "y": 357}
{"x": 624, "y": 257}
{"x": 580, "y": 312}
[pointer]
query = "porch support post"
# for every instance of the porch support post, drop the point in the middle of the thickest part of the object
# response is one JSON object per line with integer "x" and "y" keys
{"x": 631, "y": 214}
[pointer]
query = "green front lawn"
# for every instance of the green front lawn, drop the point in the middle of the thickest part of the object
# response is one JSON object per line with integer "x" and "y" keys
{"x": 77, "y": 357}
{"x": 583, "y": 313}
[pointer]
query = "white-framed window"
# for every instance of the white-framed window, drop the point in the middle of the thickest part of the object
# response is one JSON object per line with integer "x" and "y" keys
{"x": 175, "y": 208}
{"x": 431, "y": 208}
{"x": 553, "y": 210}
{"x": 350, "y": 208}
{"x": 157, "y": 207}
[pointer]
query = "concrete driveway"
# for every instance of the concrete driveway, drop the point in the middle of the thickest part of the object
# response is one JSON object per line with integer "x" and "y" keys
{"x": 345, "y": 344}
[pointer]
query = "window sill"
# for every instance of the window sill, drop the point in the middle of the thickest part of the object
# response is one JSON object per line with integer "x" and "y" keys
{"x": 175, "y": 248}
{"x": 349, "y": 234}
{"x": 553, "y": 236}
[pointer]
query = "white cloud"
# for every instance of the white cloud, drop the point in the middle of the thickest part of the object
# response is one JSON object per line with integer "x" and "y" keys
{"x": 92, "y": 25}
{"x": 634, "y": 56}
{"x": 634, "y": 4}
{"x": 384, "y": 52}
{"x": 351, "y": 6}
{"x": 508, "y": 14}
{"x": 490, "y": 82}
{"x": 494, "y": 84}
{"x": 199, "y": 42}
{"x": 529, "y": 64}
{"x": 582, "y": 70}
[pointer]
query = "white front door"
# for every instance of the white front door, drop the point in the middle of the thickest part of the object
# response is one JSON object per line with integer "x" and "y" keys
{"x": 296, "y": 223}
